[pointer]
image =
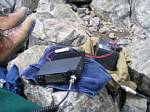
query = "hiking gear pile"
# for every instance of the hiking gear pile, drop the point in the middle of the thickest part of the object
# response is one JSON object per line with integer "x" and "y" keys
{"x": 92, "y": 78}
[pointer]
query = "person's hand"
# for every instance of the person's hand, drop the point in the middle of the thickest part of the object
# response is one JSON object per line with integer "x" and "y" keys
{"x": 5, "y": 42}
{"x": 13, "y": 19}
{"x": 15, "y": 38}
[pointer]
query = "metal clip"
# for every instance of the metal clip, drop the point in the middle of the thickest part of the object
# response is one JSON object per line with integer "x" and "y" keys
{"x": 2, "y": 81}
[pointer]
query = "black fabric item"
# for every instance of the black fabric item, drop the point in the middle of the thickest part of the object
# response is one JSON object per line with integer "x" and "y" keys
{"x": 110, "y": 61}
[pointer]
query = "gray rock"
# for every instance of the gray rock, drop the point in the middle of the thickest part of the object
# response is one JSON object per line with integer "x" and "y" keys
{"x": 79, "y": 1}
{"x": 64, "y": 11}
{"x": 60, "y": 31}
{"x": 32, "y": 4}
{"x": 38, "y": 94}
{"x": 30, "y": 56}
{"x": 86, "y": 23}
{"x": 103, "y": 30}
{"x": 95, "y": 21}
{"x": 134, "y": 104}
{"x": 82, "y": 15}
{"x": 74, "y": 7}
{"x": 124, "y": 12}
{"x": 113, "y": 10}
{"x": 142, "y": 12}
{"x": 111, "y": 35}
{"x": 92, "y": 14}
{"x": 139, "y": 51}
{"x": 56, "y": 22}
{"x": 57, "y": 9}
{"x": 45, "y": 6}
{"x": 86, "y": 18}
{"x": 81, "y": 10}
{"x": 87, "y": 12}
{"x": 35, "y": 41}
{"x": 77, "y": 102}
{"x": 92, "y": 29}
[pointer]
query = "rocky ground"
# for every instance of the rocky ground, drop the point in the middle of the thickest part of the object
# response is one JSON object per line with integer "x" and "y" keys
{"x": 71, "y": 22}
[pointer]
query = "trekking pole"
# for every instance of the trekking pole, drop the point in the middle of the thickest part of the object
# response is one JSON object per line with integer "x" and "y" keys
{"x": 131, "y": 91}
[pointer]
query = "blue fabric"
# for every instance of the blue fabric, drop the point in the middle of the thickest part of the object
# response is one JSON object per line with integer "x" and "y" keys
{"x": 93, "y": 77}
{"x": 11, "y": 77}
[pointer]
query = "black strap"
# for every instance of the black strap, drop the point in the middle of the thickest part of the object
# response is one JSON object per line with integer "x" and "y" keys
{"x": 13, "y": 8}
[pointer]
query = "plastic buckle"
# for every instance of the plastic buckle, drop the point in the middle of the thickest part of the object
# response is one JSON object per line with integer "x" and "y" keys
{"x": 2, "y": 81}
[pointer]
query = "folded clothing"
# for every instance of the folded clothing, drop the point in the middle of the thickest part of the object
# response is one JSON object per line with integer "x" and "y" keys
{"x": 93, "y": 77}
{"x": 9, "y": 79}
